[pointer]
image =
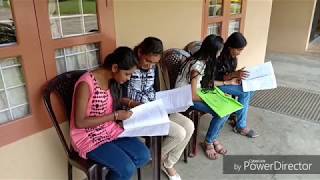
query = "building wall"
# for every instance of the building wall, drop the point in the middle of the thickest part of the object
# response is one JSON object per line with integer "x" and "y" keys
{"x": 290, "y": 25}
{"x": 256, "y": 32}
{"x": 40, "y": 156}
{"x": 176, "y": 22}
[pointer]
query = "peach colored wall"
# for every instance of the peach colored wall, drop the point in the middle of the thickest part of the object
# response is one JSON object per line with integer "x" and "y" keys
{"x": 256, "y": 32}
{"x": 176, "y": 22}
{"x": 39, "y": 156}
{"x": 290, "y": 25}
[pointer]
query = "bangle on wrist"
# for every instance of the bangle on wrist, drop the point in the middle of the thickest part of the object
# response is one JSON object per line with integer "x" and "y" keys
{"x": 115, "y": 115}
{"x": 129, "y": 104}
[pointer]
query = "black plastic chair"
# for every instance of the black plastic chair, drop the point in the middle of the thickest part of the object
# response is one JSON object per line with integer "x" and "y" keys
{"x": 63, "y": 86}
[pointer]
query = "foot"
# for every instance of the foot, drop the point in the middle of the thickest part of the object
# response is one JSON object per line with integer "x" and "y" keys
{"x": 246, "y": 132}
{"x": 171, "y": 173}
{"x": 219, "y": 148}
{"x": 210, "y": 151}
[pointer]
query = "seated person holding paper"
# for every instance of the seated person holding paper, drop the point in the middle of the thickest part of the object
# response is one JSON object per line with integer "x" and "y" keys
{"x": 93, "y": 128}
{"x": 226, "y": 70}
{"x": 142, "y": 88}
{"x": 192, "y": 71}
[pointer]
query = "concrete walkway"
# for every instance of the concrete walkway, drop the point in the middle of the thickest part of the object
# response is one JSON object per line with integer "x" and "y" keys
{"x": 279, "y": 134}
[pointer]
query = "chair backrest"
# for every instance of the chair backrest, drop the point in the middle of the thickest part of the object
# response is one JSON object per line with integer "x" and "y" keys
{"x": 171, "y": 61}
{"x": 63, "y": 86}
{"x": 192, "y": 47}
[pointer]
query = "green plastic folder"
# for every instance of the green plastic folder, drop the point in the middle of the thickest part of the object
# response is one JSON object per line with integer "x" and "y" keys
{"x": 221, "y": 104}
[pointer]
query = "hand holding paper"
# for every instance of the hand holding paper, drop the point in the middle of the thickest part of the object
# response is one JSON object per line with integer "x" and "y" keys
{"x": 149, "y": 119}
{"x": 260, "y": 77}
{"x": 176, "y": 100}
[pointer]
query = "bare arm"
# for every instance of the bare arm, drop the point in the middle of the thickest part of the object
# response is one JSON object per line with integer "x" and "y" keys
{"x": 233, "y": 81}
{"x": 241, "y": 74}
{"x": 81, "y": 103}
{"x": 194, "y": 82}
{"x": 129, "y": 102}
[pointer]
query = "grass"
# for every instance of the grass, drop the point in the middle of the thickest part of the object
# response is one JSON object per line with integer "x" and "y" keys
{"x": 68, "y": 7}
{"x": 6, "y": 4}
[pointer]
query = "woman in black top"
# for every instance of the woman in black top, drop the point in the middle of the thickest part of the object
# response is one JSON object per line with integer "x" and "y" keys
{"x": 226, "y": 70}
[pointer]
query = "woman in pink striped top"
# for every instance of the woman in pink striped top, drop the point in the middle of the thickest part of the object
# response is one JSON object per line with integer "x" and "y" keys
{"x": 94, "y": 131}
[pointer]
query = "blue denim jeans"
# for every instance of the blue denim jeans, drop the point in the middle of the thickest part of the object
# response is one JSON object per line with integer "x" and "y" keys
{"x": 122, "y": 156}
{"x": 243, "y": 98}
{"x": 216, "y": 123}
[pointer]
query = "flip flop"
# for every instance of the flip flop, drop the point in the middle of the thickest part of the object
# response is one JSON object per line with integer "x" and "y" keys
{"x": 251, "y": 133}
{"x": 219, "y": 148}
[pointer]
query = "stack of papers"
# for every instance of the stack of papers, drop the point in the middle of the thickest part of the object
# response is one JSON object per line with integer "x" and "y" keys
{"x": 176, "y": 100}
{"x": 261, "y": 77}
{"x": 151, "y": 119}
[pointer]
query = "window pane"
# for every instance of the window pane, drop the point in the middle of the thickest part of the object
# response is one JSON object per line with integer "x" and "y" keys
{"x": 77, "y": 57}
{"x": 90, "y": 23}
{"x": 77, "y": 62}
{"x": 3, "y": 101}
{"x": 215, "y": 8}
{"x": 89, "y": 7}
{"x": 5, "y": 116}
{"x": 234, "y": 26}
{"x": 92, "y": 59}
{"x": 20, "y": 111}
{"x": 61, "y": 65}
{"x": 13, "y": 95}
{"x": 7, "y": 27}
{"x": 215, "y": 29}
{"x": 71, "y": 26}
{"x": 17, "y": 96}
{"x": 56, "y": 29}
{"x": 69, "y": 7}
{"x": 235, "y": 6}
{"x": 72, "y": 17}
{"x": 13, "y": 76}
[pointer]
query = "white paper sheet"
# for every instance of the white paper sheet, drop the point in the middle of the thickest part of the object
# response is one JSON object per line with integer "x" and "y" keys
{"x": 149, "y": 119}
{"x": 261, "y": 77}
{"x": 176, "y": 100}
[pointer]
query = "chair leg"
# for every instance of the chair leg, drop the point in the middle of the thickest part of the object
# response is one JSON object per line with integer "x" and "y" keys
{"x": 69, "y": 171}
{"x": 195, "y": 134}
{"x": 104, "y": 172}
{"x": 93, "y": 173}
{"x": 185, "y": 154}
{"x": 139, "y": 173}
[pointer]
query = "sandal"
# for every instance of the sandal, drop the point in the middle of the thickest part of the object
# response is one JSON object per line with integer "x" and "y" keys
{"x": 233, "y": 120}
{"x": 219, "y": 148}
{"x": 210, "y": 151}
{"x": 246, "y": 132}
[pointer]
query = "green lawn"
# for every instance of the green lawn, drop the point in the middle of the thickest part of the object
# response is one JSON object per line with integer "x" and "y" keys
{"x": 68, "y": 7}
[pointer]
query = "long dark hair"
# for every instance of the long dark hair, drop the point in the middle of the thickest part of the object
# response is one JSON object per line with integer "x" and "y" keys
{"x": 149, "y": 46}
{"x": 210, "y": 46}
{"x": 125, "y": 59}
{"x": 235, "y": 40}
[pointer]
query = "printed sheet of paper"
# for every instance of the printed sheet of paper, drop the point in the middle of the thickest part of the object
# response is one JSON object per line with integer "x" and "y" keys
{"x": 176, "y": 100}
{"x": 149, "y": 119}
{"x": 261, "y": 77}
